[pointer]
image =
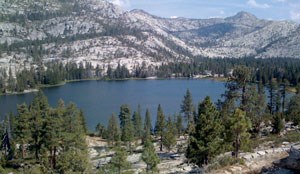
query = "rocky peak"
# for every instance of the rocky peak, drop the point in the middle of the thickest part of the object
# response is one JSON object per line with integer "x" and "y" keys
{"x": 242, "y": 17}
{"x": 143, "y": 13}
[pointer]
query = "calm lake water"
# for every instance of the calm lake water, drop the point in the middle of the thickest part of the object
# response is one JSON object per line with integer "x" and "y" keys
{"x": 99, "y": 99}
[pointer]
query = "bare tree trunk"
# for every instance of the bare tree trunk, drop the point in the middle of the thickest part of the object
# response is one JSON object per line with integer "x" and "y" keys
{"x": 50, "y": 158}
{"x": 54, "y": 157}
{"x": 23, "y": 150}
{"x": 161, "y": 143}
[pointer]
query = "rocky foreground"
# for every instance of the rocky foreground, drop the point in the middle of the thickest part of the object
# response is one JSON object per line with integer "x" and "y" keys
{"x": 171, "y": 162}
{"x": 260, "y": 161}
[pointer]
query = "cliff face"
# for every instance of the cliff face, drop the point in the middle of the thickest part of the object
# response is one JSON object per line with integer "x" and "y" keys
{"x": 99, "y": 32}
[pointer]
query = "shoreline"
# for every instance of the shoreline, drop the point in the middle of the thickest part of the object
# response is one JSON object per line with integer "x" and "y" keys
{"x": 218, "y": 79}
{"x": 104, "y": 79}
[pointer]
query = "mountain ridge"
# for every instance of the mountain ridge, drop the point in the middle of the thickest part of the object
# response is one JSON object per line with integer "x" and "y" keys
{"x": 104, "y": 34}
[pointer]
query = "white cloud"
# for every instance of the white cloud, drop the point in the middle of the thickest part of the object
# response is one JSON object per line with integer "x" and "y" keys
{"x": 253, "y": 3}
{"x": 281, "y": 0}
{"x": 121, "y": 3}
{"x": 295, "y": 15}
{"x": 174, "y": 17}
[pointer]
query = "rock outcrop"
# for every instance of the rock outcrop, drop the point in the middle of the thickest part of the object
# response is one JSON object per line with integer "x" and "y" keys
{"x": 292, "y": 161}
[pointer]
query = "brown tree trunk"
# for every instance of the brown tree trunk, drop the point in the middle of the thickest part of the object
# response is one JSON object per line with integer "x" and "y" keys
{"x": 161, "y": 143}
{"x": 54, "y": 158}
{"x": 23, "y": 151}
{"x": 50, "y": 158}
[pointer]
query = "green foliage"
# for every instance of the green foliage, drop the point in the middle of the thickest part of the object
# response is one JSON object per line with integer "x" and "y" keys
{"x": 137, "y": 123}
{"x": 121, "y": 72}
{"x": 207, "y": 141}
{"x": 11, "y": 82}
{"x": 150, "y": 157}
{"x": 118, "y": 162}
{"x": 169, "y": 135}
{"x": 278, "y": 124}
{"x": 255, "y": 107}
{"x": 187, "y": 107}
{"x": 160, "y": 125}
{"x": 113, "y": 136}
{"x": 73, "y": 161}
{"x": 147, "y": 126}
{"x": 179, "y": 125}
{"x": 54, "y": 137}
{"x": 239, "y": 127}
{"x": 39, "y": 109}
{"x": 148, "y": 122}
{"x": 101, "y": 131}
{"x": 22, "y": 127}
{"x": 237, "y": 85}
{"x": 294, "y": 109}
{"x": 126, "y": 125}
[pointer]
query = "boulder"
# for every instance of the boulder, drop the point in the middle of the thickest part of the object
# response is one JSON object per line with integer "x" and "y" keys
{"x": 248, "y": 157}
{"x": 285, "y": 143}
{"x": 254, "y": 155}
{"x": 292, "y": 161}
{"x": 261, "y": 153}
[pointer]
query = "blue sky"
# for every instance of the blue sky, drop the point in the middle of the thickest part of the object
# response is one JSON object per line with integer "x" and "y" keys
{"x": 266, "y": 9}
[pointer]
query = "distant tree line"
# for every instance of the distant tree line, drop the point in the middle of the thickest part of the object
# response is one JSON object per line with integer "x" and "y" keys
{"x": 264, "y": 70}
{"x": 283, "y": 72}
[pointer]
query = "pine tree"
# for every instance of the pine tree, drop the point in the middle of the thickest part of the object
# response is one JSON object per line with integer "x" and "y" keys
{"x": 278, "y": 124}
{"x": 160, "y": 125}
{"x": 293, "y": 111}
{"x": 169, "y": 139}
{"x": 114, "y": 133}
{"x": 240, "y": 78}
{"x": 124, "y": 115}
{"x": 147, "y": 126}
{"x": 187, "y": 109}
{"x": 51, "y": 135}
{"x": 239, "y": 127}
{"x": 283, "y": 90}
{"x": 11, "y": 82}
{"x": 101, "y": 131}
{"x": 56, "y": 136}
{"x": 74, "y": 154}
{"x": 137, "y": 123}
{"x": 119, "y": 160}
{"x": 255, "y": 107}
{"x": 207, "y": 141}
{"x": 22, "y": 129}
{"x": 236, "y": 88}
{"x": 82, "y": 121}
{"x": 150, "y": 157}
{"x": 179, "y": 125}
{"x": 39, "y": 109}
{"x": 148, "y": 122}
{"x": 126, "y": 126}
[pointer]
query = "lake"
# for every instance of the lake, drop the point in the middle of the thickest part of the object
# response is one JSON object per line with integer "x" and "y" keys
{"x": 99, "y": 99}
